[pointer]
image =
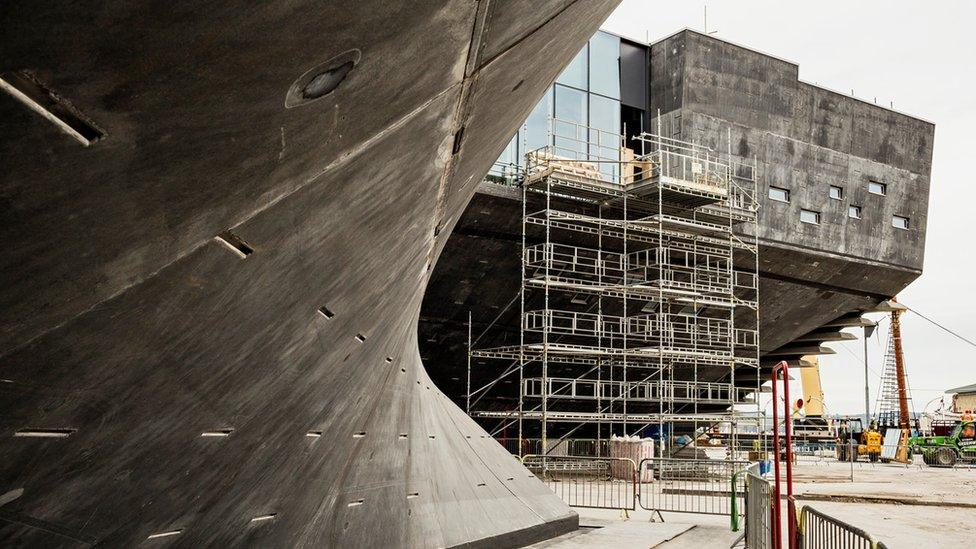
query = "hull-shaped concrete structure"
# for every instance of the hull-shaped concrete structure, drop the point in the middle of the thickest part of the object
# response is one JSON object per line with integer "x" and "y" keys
{"x": 158, "y": 386}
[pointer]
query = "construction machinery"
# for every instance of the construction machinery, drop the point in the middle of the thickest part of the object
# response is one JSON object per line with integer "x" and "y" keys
{"x": 947, "y": 450}
{"x": 854, "y": 441}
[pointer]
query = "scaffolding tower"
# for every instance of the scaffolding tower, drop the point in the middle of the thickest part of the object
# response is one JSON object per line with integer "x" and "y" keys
{"x": 639, "y": 294}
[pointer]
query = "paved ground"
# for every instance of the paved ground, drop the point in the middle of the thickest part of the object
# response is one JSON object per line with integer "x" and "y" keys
{"x": 905, "y": 506}
{"x": 876, "y": 481}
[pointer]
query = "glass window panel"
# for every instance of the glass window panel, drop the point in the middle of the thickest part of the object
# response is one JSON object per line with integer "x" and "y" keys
{"x": 854, "y": 212}
{"x": 809, "y": 216}
{"x": 877, "y": 188}
{"x": 781, "y": 195}
{"x": 605, "y": 132}
{"x": 575, "y": 73}
{"x": 899, "y": 222}
{"x": 536, "y": 133}
{"x": 569, "y": 133}
{"x": 836, "y": 193}
{"x": 605, "y": 65}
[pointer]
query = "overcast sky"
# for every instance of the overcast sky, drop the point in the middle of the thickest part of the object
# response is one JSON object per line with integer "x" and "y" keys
{"x": 921, "y": 56}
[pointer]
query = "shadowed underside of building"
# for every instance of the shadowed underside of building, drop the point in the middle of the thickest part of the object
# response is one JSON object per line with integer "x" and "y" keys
{"x": 161, "y": 385}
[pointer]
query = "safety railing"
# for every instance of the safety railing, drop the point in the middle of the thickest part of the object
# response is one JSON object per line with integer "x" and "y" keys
{"x": 817, "y": 530}
{"x": 758, "y": 511}
{"x": 690, "y": 485}
{"x": 596, "y": 482}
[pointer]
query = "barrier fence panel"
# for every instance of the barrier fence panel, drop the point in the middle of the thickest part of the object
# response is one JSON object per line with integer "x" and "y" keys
{"x": 604, "y": 483}
{"x": 815, "y": 530}
{"x": 758, "y": 511}
{"x": 690, "y": 485}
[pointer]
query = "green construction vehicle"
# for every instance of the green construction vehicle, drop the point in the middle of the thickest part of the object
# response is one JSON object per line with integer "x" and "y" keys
{"x": 945, "y": 451}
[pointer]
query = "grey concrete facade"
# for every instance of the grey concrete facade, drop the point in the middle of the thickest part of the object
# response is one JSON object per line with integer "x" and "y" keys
{"x": 804, "y": 139}
{"x": 158, "y": 388}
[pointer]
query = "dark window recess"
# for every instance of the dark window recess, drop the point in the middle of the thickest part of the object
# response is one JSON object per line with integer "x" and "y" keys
{"x": 235, "y": 244}
{"x": 26, "y": 89}
{"x": 361, "y": 337}
{"x": 324, "y": 311}
{"x": 458, "y": 137}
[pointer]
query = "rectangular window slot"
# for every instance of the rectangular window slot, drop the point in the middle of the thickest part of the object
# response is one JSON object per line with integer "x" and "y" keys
{"x": 482, "y": 484}
{"x": 356, "y": 503}
{"x": 431, "y": 436}
{"x": 779, "y": 194}
{"x": 389, "y": 359}
{"x": 361, "y": 338}
{"x": 217, "y": 433}
{"x": 313, "y": 434}
{"x": 235, "y": 244}
{"x": 810, "y": 216}
{"x": 26, "y": 89}
{"x": 877, "y": 188}
{"x": 854, "y": 212}
{"x": 166, "y": 534}
{"x": 262, "y": 518}
{"x": 458, "y": 137}
{"x": 899, "y": 222}
{"x": 360, "y": 434}
{"x": 836, "y": 193}
{"x": 412, "y": 495}
{"x": 403, "y": 370}
{"x": 44, "y": 433}
{"x": 324, "y": 311}
{"x": 403, "y": 436}
{"x": 510, "y": 478}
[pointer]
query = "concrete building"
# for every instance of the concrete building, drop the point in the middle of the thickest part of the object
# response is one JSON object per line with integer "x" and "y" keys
{"x": 844, "y": 194}
{"x": 963, "y": 398}
{"x": 218, "y": 222}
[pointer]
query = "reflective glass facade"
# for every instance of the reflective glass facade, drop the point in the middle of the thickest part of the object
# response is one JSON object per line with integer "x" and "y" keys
{"x": 587, "y": 93}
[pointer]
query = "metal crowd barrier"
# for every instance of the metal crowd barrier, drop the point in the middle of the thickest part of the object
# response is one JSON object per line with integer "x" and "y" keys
{"x": 816, "y": 530}
{"x": 603, "y": 483}
{"x": 690, "y": 485}
{"x": 758, "y": 510}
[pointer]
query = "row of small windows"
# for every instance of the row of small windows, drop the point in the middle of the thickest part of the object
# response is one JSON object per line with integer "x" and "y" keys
{"x": 854, "y": 212}
{"x": 837, "y": 193}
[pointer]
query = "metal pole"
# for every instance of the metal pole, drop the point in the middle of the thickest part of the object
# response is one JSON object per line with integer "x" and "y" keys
{"x": 467, "y": 405}
{"x": 867, "y": 398}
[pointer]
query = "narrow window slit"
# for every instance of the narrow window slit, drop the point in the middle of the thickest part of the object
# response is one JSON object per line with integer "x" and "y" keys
{"x": 458, "y": 137}
{"x": 25, "y": 88}
{"x": 166, "y": 534}
{"x": 262, "y": 518}
{"x": 403, "y": 370}
{"x": 217, "y": 433}
{"x": 313, "y": 434}
{"x": 482, "y": 484}
{"x": 403, "y": 436}
{"x": 431, "y": 436}
{"x": 360, "y": 434}
{"x": 389, "y": 359}
{"x": 361, "y": 338}
{"x": 235, "y": 244}
{"x": 355, "y": 503}
{"x": 44, "y": 433}
{"x": 510, "y": 478}
{"x": 324, "y": 311}
{"x": 412, "y": 495}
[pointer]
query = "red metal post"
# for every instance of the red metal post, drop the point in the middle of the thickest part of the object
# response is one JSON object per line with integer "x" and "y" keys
{"x": 777, "y": 490}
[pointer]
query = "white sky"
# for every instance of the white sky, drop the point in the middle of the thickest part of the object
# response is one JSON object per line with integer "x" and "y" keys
{"x": 921, "y": 56}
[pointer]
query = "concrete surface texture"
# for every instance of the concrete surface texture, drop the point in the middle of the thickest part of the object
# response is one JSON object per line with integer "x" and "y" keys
{"x": 804, "y": 139}
{"x": 195, "y": 396}
{"x": 906, "y": 507}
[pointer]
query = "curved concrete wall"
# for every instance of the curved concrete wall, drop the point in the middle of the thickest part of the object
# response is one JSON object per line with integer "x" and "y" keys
{"x": 123, "y": 320}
